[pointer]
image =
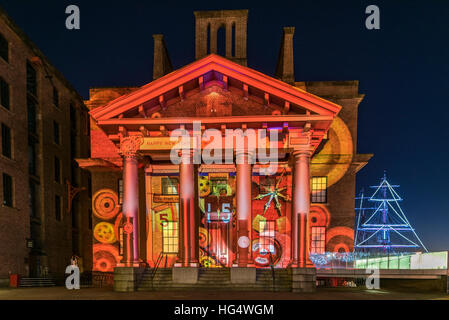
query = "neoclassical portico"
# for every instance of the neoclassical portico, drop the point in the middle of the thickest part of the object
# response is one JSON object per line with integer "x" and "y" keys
{"x": 133, "y": 150}
{"x": 216, "y": 95}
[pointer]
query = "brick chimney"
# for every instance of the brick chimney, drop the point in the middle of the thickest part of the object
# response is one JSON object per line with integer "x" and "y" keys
{"x": 285, "y": 67}
{"x": 161, "y": 60}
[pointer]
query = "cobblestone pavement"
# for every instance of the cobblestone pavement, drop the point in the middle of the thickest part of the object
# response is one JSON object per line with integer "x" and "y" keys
{"x": 61, "y": 293}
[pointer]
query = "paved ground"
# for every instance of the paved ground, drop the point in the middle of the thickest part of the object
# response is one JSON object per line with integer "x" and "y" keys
{"x": 61, "y": 293}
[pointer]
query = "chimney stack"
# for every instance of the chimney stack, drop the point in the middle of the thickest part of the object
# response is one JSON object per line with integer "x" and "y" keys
{"x": 285, "y": 67}
{"x": 161, "y": 60}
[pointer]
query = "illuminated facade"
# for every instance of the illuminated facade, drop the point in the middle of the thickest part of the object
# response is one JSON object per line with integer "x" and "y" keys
{"x": 148, "y": 210}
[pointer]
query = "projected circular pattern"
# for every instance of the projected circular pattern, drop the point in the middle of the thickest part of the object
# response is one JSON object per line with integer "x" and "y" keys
{"x": 105, "y": 204}
{"x": 203, "y": 237}
{"x": 262, "y": 252}
{"x": 104, "y": 233}
{"x": 105, "y": 257}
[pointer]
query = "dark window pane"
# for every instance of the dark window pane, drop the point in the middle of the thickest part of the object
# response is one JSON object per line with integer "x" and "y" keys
{"x": 72, "y": 118}
{"x": 319, "y": 190}
{"x": 55, "y": 97}
{"x": 31, "y": 80}
{"x": 6, "y": 141}
{"x": 33, "y": 198}
{"x": 32, "y": 158}
{"x": 58, "y": 208}
{"x": 7, "y": 190}
{"x": 4, "y": 48}
{"x": 32, "y": 112}
{"x": 4, "y": 93}
{"x": 56, "y": 132}
{"x": 57, "y": 170}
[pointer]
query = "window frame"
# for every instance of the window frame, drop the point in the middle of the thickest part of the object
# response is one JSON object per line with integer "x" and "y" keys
{"x": 7, "y": 197}
{"x": 31, "y": 88}
{"x": 7, "y": 144}
{"x": 5, "y": 88}
{"x": 57, "y": 169}
{"x": 167, "y": 188}
{"x": 318, "y": 246}
{"x": 170, "y": 232}
{"x": 6, "y": 42}
{"x": 318, "y": 194}
{"x": 55, "y": 97}
{"x": 56, "y": 133}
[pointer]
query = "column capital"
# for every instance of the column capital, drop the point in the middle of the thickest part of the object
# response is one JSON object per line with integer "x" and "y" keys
{"x": 245, "y": 155}
{"x": 186, "y": 156}
{"x": 130, "y": 145}
{"x": 302, "y": 151}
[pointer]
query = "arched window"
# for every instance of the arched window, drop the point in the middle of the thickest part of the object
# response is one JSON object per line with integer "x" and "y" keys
{"x": 4, "y": 48}
{"x": 233, "y": 40}
{"x": 221, "y": 41}
{"x": 208, "y": 39}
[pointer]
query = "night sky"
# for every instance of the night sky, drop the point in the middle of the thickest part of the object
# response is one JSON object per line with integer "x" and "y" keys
{"x": 403, "y": 70}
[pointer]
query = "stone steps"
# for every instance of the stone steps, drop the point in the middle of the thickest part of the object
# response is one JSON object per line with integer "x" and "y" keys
{"x": 217, "y": 279}
{"x": 36, "y": 282}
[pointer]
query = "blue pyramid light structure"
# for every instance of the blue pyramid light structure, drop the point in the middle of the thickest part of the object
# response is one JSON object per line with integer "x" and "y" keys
{"x": 382, "y": 226}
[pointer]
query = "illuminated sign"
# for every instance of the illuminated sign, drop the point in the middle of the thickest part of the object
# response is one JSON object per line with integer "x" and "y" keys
{"x": 167, "y": 143}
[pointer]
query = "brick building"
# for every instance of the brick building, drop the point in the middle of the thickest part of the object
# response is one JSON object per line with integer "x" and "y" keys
{"x": 45, "y": 126}
{"x": 234, "y": 216}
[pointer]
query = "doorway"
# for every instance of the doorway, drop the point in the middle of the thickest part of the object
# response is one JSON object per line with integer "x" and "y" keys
{"x": 216, "y": 254}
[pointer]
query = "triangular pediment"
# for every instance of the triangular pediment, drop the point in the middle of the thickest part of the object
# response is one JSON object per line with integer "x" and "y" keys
{"x": 215, "y": 86}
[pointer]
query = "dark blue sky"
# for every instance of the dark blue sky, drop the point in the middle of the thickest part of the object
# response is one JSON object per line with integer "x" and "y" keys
{"x": 403, "y": 69}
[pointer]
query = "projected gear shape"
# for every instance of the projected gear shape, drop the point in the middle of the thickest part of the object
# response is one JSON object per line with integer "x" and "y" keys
{"x": 104, "y": 233}
{"x": 105, "y": 204}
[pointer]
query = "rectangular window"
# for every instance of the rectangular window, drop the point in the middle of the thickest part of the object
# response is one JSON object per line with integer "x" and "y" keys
{"x": 120, "y": 191}
{"x": 55, "y": 97}
{"x": 169, "y": 186}
{"x": 319, "y": 190}
{"x": 317, "y": 245}
{"x": 32, "y": 158}
{"x": 4, "y": 48}
{"x": 31, "y": 80}
{"x": 32, "y": 113}
{"x": 170, "y": 237}
{"x": 4, "y": 93}
{"x": 57, "y": 170}
{"x": 6, "y": 141}
{"x": 33, "y": 199}
{"x": 73, "y": 123}
{"x": 266, "y": 238}
{"x": 58, "y": 208}
{"x": 7, "y": 190}
{"x": 56, "y": 136}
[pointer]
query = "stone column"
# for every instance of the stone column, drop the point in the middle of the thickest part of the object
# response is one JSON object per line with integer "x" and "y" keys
{"x": 128, "y": 149}
{"x": 243, "y": 204}
{"x": 188, "y": 221}
{"x": 301, "y": 206}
